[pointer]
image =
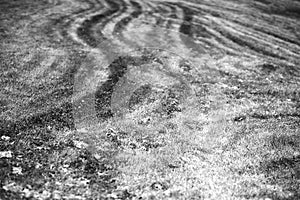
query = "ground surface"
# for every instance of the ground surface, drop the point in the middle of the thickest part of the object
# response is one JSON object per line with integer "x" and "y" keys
{"x": 124, "y": 99}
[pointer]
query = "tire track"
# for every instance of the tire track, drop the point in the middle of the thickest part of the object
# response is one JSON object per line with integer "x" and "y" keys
{"x": 74, "y": 63}
{"x": 85, "y": 30}
{"x": 194, "y": 28}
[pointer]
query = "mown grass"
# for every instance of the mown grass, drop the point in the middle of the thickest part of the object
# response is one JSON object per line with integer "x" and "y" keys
{"x": 229, "y": 140}
{"x": 196, "y": 155}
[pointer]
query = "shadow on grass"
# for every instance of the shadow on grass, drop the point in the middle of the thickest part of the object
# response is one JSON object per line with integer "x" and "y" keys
{"x": 284, "y": 170}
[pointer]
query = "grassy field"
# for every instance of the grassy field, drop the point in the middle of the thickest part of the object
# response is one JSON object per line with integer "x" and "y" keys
{"x": 227, "y": 126}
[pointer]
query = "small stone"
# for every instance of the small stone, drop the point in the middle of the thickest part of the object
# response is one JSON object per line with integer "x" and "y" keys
{"x": 5, "y": 138}
{"x": 97, "y": 156}
{"x": 17, "y": 170}
{"x": 297, "y": 153}
{"x": 56, "y": 195}
{"x": 45, "y": 195}
{"x": 27, "y": 193}
{"x": 158, "y": 186}
{"x": 9, "y": 186}
{"x": 38, "y": 165}
{"x": 80, "y": 144}
{"x": 5, "y": 154}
